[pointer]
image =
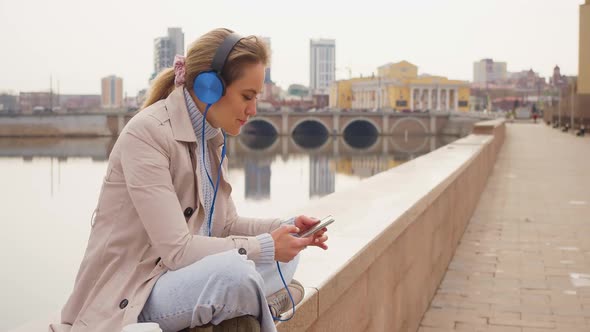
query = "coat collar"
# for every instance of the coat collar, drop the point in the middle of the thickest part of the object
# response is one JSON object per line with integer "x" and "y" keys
{"x": 182, "y": 129}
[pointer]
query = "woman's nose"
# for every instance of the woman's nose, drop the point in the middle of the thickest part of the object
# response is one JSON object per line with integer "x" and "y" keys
{"x": 251, "y": 109}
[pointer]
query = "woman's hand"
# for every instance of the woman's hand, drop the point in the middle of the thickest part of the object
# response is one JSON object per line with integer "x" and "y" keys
{"x": 319, "y": 238}
{"x": 288, "y": 246}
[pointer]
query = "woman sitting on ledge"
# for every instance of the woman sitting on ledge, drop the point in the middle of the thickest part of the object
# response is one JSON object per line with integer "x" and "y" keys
{"x": 166, "y": 243}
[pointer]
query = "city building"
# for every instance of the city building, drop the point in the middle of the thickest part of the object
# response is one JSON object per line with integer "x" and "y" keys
{"x": 80, "y": 103}
{"x": 141, "y": 97}
{"x": 267, "y": 78}
{"x": 322, "y": 65}
{"x": 399, "y": 87}
{"x": 35, "y": 102}
{"x": 165, "y": 48}
{"x": 271, "y": 92}
{"x": 112, "y": 92}
{"x": 526, "y": 80}
{"x": 177, "y": 38}
{"x": 130, "y": 103}
{"x": 8, "y": 103}
{"x": 488, "y": 71}
{"x": 557, "y": 79}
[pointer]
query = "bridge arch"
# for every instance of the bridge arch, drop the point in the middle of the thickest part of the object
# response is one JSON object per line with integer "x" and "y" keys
{"x": 261, "y": 127}
{"x": 409, "y": 121}
{"x": 310, "y": 121}
{"x": 362, "y": 119}
{"x": 310, "y": 133}
{"x": 361, "y": 133}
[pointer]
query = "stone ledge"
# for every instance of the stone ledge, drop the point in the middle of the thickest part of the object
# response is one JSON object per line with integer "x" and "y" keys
{"x": 393, "y": 238}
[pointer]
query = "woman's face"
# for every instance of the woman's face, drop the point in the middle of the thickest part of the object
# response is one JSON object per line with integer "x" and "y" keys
{"x": 234, "y": 109}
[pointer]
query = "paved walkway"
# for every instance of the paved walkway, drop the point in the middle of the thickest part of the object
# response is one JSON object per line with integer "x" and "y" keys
{"x": 523, "y": 264}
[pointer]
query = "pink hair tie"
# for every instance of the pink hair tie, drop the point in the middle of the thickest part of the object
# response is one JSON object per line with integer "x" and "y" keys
{"x": 179, "y": 70}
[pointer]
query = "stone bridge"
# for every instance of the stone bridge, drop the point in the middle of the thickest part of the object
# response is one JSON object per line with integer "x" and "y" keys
{"x": 354, "y": 123}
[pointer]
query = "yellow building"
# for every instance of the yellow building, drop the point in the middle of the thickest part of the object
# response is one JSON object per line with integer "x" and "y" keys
{"x": 399, "y": 87}
{"x": 341, "y": 93}
{"x": 400, "y": 70}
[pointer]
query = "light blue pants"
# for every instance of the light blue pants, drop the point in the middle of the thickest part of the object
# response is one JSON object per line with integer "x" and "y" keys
{"x": 216, "y": 288}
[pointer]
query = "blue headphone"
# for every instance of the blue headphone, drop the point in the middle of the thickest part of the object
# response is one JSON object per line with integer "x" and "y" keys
{"x": 209, "y": 87}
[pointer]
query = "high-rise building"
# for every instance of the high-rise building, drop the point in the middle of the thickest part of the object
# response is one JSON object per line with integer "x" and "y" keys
{"x": 267, "y": 78}
{"x": 177, "y": 39}
{"x": 488, "y": 70}
{"x": 165, "y": 48}
{"x": 162, "y": 54}
{"x": 322, "y": 65}
{"x": 269, "y": 93}
{"x": 112, "y": 92}
{"x": 8, "y": 103}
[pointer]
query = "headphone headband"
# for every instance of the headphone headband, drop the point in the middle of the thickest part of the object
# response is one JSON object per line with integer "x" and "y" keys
{"x": 223, "y": 51}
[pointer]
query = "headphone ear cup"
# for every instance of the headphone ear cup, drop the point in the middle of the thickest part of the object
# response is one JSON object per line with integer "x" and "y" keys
{"x": 208, "y": 87}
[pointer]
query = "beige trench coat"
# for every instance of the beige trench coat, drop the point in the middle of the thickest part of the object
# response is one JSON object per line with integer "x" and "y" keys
{"x": 146, "y": 217}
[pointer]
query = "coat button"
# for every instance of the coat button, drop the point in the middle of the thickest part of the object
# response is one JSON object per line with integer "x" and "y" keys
{"x": 242, "y": 251}
{"x": 188, "y": 212}
{"x": 158, "y": 260}
{"x": 123, "y": 304}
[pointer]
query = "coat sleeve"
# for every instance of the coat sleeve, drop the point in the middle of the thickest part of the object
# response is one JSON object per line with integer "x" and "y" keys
{"x": 145, "y": 160}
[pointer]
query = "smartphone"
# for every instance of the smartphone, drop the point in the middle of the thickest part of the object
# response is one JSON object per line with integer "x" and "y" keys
{"x": 323, "y": 223}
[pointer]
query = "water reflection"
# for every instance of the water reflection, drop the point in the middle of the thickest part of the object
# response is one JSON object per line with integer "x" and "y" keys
{"x": 254, "y": 156}
{"x": 338, "y": 158}
{"x": 400, "y": 147}
{"x": 97, "y": 149}
{"x": 257, "y": 176}
{"x": 322, "y": 176}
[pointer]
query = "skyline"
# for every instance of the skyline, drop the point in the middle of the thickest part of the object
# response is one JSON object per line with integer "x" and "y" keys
{"x": 440, "y": 38}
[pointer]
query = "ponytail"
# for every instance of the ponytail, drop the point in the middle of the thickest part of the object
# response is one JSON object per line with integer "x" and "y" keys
{"x": 161, "y": 88}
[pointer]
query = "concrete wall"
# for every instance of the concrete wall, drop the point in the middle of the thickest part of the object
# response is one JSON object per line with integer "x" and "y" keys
{"x": 390, "y": 248}
{"x": 64, "y": 125}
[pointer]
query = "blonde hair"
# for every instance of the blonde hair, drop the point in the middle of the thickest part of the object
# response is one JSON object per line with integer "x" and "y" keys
{"x": 249, "y": 50}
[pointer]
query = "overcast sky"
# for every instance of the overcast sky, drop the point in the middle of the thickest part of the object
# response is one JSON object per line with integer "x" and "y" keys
{"x": 78, "y": 42}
